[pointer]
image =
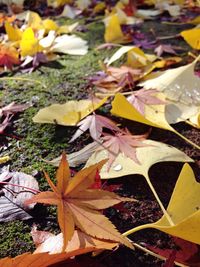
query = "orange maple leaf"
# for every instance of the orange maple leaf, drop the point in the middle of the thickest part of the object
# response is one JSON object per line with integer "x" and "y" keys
{"x": 78, "y": 205}
{"x": 8, "y": 56}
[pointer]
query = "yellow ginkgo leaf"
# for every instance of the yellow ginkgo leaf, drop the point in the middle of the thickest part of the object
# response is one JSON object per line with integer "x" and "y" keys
{"x": 113, "y": 32}
{"x": 183, "y": 209}
{"x": 181, "y": 88}
{"x": 67, "y": 114}
{"x": 122, "y": 165}
{"x": 14, "y": 34}
{"x": 154, "y": 115}
{"x": 135, "y": 56}
{"x": 50, "y": 25}
{"x": 29, "y": 44}
{"x": 192, "y": 37}
{"x": 34, "y": 21}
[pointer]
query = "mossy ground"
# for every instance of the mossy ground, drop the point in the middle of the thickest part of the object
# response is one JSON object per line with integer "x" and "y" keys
{"x": 55, "y": 82}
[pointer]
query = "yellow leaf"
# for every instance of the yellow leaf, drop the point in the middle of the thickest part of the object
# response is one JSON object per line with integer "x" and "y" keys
{"x": 183, "y": 209}
{"x": 192, "y": 37}
{"x": 67, "y": 114}
{"x": 34, "y": 21}
{"x": 29, "y": 45}
{"x": 113, "y": 32}
{"x": 14, "y": 34}
{"x": 153, "y": 116}
{"x": 122, "y": 165}
{"x": 181, "y": 87}
{"x": 50, "y": 25}
{"x": 4, "y": 159}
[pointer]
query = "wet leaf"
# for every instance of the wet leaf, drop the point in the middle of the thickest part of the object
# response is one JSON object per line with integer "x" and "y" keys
{"x": 123, "y": 165}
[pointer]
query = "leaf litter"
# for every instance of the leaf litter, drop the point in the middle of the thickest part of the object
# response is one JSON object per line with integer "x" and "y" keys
{"x": 30, "y": 41}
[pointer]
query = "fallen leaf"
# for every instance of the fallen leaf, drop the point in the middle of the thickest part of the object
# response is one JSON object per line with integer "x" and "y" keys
{"x": 29, "y": 44}
{"x": 67, "y": 114}
{"x": 77, "y": 158}
{"x": 185, "y": 252}
{"x": 70, "y": 44}
{"x": 159, "y": 50}
{"x": 8, "y": 56}
{"x": 12, "y": 108}
{"x": 179, "y": 84}
{"x": 183, "y": 209}
{"x": 115, "y": 36}
{"x": 123, "y": 165}
{"x": 124, "y": 143}
{"x": 156, "y": 115}
{"x": 78, "y": 205}
{"x": 192, "y": 37}
{"x": 14, "y": 193}
{"x": 54, "y": 243}
{"x": 144, "y": 97}
{"x": 14, "y": 33}
{"x": 95, "y": 124}
{"x": 115, "y": 79}
{"x": 42, "y": 259}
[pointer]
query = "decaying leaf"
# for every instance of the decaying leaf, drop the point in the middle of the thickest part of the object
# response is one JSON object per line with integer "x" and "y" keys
{"x": 69, "y": 113}
{"x": 123, "y": 165}
{"x": 78, "y": 205}
{"x": 54, "y": 243}
{"x": 14, "y": 194}
{"x": 183, "y": 209}
{"x": 95, "y": 123}
{"x": 115, "y": 79}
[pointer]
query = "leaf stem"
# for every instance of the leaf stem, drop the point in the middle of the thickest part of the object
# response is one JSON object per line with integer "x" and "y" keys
{"x": 159, "y": 201}
{"x": 35, "y": 191}
{"x": 187, "y": 140}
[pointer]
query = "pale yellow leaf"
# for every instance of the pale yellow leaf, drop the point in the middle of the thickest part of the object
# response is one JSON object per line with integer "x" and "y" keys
{"x": 67, "y": 114}
{"x": 156, "y": 151}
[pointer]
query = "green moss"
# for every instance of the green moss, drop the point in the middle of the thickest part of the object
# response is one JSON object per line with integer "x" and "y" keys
{"x": 15, "y": 238}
